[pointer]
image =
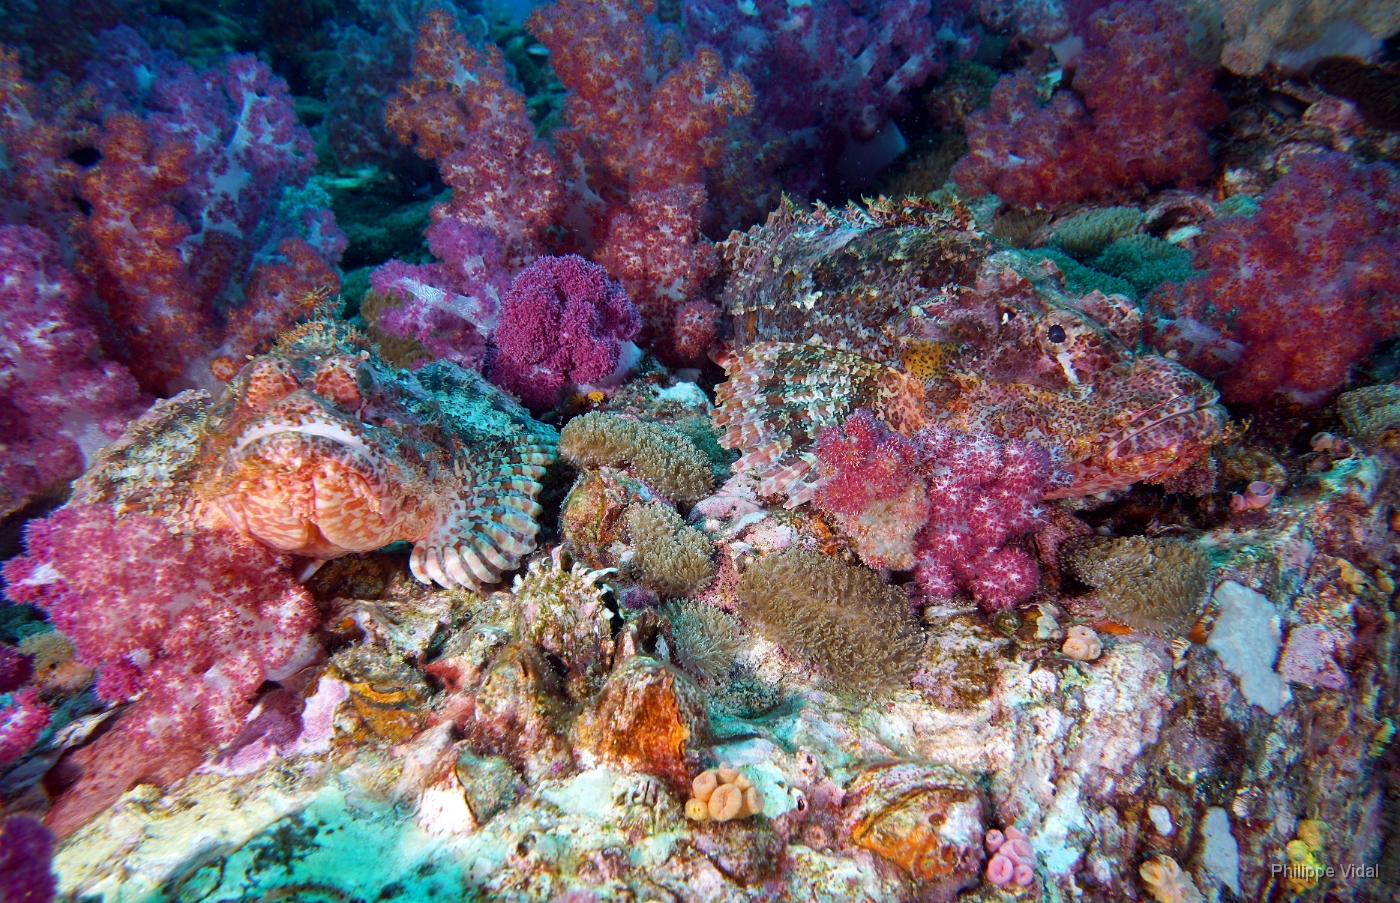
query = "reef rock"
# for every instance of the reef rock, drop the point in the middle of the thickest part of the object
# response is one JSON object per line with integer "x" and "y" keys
{"x": 647, "y": 718}
{"x": 926, "y": 819}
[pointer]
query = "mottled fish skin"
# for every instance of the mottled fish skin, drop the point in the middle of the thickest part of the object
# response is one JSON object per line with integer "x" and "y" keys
{"x": 320, "y": 449}
{"x": 905, "y": 309}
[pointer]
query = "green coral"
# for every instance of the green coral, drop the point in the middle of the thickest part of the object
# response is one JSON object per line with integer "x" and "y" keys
{"x": 1090, "y": 232}
{"x": 1080, "y": 279}
{"x": 1145, "y": 262}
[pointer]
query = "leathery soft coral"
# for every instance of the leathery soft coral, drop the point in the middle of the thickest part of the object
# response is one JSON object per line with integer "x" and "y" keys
{"x": 562, "y": 322}
{"x": 947, "y": 505}
{"x": 193, "y": 623}
{"x": 1291, "y": 300}
{"x": 1147, "y": 103}
{"x": 59, "y": 402}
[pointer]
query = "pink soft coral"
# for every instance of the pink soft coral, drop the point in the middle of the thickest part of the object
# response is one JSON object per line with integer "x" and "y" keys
{"x": 1146, "y": 105}
{"x": 193, "y": 623}
{"x": 59, "y": 402}
{"x": 450, "y": 306}
{"x": 562, "y": 322}
{"x": 1291, "y": 300}
{"x": 947, "y": 505}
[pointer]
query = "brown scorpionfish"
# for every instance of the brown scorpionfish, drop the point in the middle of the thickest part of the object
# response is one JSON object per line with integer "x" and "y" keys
{"x": 319, "y": 449}
{"x": 909, "y": 311}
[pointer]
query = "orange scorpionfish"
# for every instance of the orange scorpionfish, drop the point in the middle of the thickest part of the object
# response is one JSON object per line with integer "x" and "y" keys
{"x": 907, "y": 310}
{"x": 320, "y": 449}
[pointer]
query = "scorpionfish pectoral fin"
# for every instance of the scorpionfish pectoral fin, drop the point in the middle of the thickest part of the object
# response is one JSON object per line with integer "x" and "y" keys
{"x": 491, "y": 523}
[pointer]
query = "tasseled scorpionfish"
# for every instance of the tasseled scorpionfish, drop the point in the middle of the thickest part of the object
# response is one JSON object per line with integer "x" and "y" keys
{"x": 320, "y": 449}
{"x": 909, "y": 311}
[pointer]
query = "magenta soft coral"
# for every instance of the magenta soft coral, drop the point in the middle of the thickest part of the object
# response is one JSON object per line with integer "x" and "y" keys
{"x": 26, "y": 861}
{"x": 563, "y": 322}
{"x": 1146, "y": 105}
{"x": 950, "y": 506}
{"x": 193, "y": 623}
{"x": 1289, "y": 301}
{"x": 59, "y": 402}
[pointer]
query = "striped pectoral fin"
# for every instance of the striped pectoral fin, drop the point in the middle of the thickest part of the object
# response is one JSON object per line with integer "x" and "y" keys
{"x": 491, "y": 523}
{"x": 779, "y": 396}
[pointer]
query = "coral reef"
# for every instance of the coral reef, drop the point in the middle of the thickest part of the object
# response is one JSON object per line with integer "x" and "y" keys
{"x": 460, "y": 110}
{"x": 1114, "y": 132}
{"x": 661, "y": 456}
{"x": 943, "y": 504}
{"x": 924, "y": 818}
{"x": 855, "y": 630}
{"x": 904, "y": 550}
{"x": 194, "y": 630}
{"x": 194, "y": 197}
{"x": 1321, "y": 249}
{"x": 1155, "y": 585}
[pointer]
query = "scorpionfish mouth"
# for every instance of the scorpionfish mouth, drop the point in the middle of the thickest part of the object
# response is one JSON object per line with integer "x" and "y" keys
{"x": 1156, "y": 440}
{"x": 317, "y": 487}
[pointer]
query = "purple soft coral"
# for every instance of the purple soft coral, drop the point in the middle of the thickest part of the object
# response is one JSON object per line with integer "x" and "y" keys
{"x": 563, "y": 321}
{"x": 26, "y": 861}
{"x": 59, "y": 402}
{"x": 450, "y": 307}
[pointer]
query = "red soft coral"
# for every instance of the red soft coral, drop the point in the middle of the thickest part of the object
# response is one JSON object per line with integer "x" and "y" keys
{"x": 1146, "y": 105}
{"x": 1291, "y": 300}
{"x": 461, "y": 110}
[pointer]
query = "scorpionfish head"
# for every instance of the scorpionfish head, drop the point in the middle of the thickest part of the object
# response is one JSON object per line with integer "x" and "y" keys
{"x": 317, "y": 455}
